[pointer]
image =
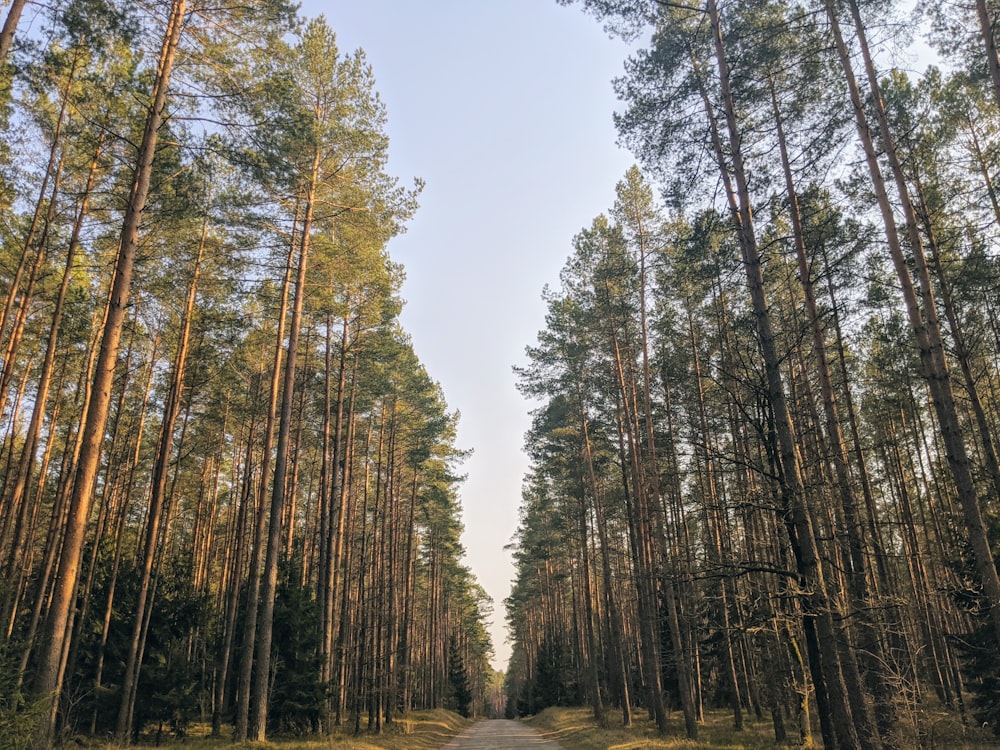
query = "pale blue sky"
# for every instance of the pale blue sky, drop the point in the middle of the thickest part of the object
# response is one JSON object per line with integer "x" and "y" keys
{"x": 505, "y": 108}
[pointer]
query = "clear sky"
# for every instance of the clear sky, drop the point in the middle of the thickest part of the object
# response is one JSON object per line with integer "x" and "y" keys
{"x": 504, "y": 108}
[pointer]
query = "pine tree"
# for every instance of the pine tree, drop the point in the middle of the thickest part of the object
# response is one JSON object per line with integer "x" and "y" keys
{"x": 458, "y": 679}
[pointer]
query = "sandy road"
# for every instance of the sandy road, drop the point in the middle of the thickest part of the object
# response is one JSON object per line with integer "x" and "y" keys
{"x": 500, "y": 734}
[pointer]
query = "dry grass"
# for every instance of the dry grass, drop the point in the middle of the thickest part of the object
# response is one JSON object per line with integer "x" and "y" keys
{"x": 419, "y": 730}
{"x": 575, "y": 728}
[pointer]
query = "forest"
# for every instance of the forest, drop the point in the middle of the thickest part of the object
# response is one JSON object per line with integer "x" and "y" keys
{"x": 229, "y": 490}
{"x": 764, "y": 473}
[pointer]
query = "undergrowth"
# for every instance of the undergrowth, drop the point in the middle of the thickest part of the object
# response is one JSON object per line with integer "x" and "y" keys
{"x": 418, "y": 730}
{"x": 575, "y": 728}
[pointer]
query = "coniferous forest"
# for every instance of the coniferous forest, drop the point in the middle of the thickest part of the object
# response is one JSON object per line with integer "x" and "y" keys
{"x": 228, "y": 487}
{"x": 764, "y": 455}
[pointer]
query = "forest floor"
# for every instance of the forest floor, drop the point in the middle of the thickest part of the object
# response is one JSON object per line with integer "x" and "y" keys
{"x": 575, "y": 728}
{"x": 419, "y": 730}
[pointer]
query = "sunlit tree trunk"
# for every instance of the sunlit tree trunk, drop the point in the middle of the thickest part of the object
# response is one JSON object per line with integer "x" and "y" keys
{"x": 18, "y": 501}
{"x": 158, "y": 500}
{"x": 233, "y": 562}
{"x": 920, "y": 307}
{"x": 260, "y": 687}
{"x": 242, "y": 721}
{"x": 43, "y": 216}
{"x": 48, "y": 681}
{"x": 815, "y": 599}
{"x": 9, "y": 27}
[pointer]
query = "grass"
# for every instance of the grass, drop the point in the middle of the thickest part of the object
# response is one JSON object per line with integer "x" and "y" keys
{"x": 419, "y": 730}
{"x": 575, "y": 728}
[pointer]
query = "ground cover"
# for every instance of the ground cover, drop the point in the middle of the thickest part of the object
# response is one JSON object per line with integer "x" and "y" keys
{"x": 418, "y": 730}
{"x": 575, "y": 728}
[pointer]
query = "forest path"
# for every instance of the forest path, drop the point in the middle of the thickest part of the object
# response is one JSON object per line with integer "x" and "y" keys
{"x": 501, "y": 734}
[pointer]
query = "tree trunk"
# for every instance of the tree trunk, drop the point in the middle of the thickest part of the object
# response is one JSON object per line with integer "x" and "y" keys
{"x": 639, "y": 522}
{"x": 857, "y": 570}
{"x": 815, "y": 599}
{"x": 986, "y": 23}
{"x": 53, "y": 171}
{"x": 611, "y": 605}
{"x": 265, "y": 618}
{"x": 713, "y": 518}
{"x": 923, "y": 318}
{"x": 157, "y": 500}
{"x": 48, "y": 681}
{"x": 241, "y": 729}
{"x": 9, "y": 27}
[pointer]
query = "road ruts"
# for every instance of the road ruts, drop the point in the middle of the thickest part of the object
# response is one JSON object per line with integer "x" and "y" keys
{"x": 500, "y": 734}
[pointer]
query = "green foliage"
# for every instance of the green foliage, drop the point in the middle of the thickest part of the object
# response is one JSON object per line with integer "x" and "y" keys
{"x": 297, "y": 695}
{"x": 170, "y": 685}
{"x": 168, "y": 691}
{"x": 19, "y": 716}
{"x": 555, "y": 684}
{"x": 458, "y": 679}
{"x": 981, "y": 662}
{"x": 170, "y": 688}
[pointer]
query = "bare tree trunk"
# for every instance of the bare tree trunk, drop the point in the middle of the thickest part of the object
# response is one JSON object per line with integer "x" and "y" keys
{"x": 26, "y": 461}
{"x": 57, "y": 522}
{"x": 815, "y": 599}
{"x": 639, "y": 522}
{"x": 233, "y": 562}
{"x": 986, "y": 24}
{"x": 611, "y": 604}
{"x": 588, "y": 616}
{"x": 157, "y": 500}
{"x": 265, "y": 618}
{"x": 856, "y": 568}
{"x": 48, "y": 682}
{"x": 9, "y": 27}
{"x": 253, "y": 597}
{"x": 342, "y": 557}
{"x": 324, "y": 579}
{"x": 961, "y": 351}
{"x": 713, "y": 523}
{"x": 923, "y": 318}
{"x": 405, "y": 625}
{"x": 53, "y": 172}
{"x": 678, "y": 628}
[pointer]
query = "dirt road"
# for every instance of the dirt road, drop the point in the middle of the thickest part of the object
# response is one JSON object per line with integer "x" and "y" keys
{"x": 500, "y": 734}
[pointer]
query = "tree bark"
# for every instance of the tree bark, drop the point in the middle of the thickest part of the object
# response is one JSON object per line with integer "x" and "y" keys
{"x": 265, "y": 619}
{"x": 158, "y": 500}
{"x": 242, "y": 721}
{"x": 923, "y": 318}
{"x": 986, "y": 23}
{"x": 48, "y": 681}
{"x": 9, "y": 27}
{"x": 815, "y": 599}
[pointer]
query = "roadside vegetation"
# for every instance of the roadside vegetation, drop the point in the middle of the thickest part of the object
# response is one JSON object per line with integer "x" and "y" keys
{"x": 576, "y": 728}
{"x": 418, "y": 730}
